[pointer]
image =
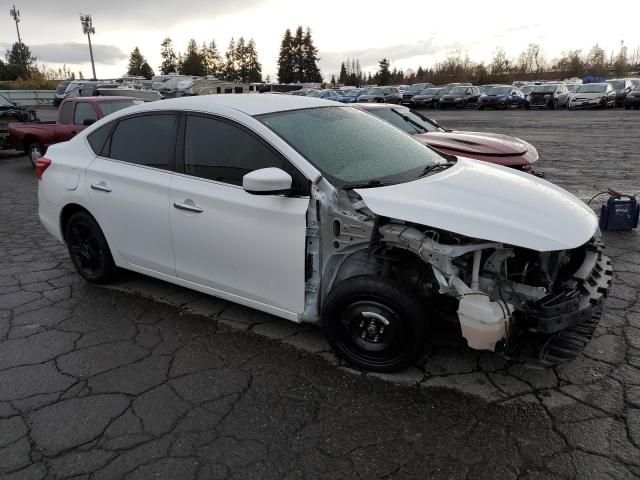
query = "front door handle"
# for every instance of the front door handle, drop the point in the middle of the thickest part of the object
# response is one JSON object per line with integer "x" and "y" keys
{"x": 101, "y": 186}
{"x": 187, "y": 205}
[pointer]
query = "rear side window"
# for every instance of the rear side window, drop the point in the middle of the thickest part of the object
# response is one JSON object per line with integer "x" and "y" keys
{"x": 217, "y": 150}
{"x": 65, "y": 112}
{"x": 84, "y": 111}
{"x": 148, "y": 140}
{"x": 98, "y": 138}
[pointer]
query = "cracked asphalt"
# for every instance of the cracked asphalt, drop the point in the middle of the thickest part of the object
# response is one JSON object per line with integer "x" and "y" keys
{"x": 147, "y": 380}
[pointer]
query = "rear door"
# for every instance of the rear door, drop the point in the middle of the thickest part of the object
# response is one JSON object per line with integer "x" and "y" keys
{"x": 128, "y": 184}
{"x": 247, "y": 246}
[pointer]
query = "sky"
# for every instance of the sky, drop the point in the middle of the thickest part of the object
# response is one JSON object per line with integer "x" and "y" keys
{"x": 410, "y": 33}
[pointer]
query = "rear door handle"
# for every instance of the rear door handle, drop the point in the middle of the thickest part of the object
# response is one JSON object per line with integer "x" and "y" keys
{"x": 101, "y": 186}
{"x": 187, "y": 205}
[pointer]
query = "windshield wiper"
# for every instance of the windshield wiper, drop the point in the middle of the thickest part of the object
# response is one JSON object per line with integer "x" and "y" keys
{"x": 435, "y": 167}
{"x": 369, "y": 183}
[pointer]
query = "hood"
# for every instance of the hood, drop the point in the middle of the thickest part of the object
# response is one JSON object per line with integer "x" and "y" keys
{"x": 489, "y": 202}
{"x": 588, "y": 95}
{"x": 477, "y": 143}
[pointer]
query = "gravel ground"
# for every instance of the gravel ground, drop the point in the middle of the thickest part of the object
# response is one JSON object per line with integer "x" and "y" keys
{"x": 144, "y": 379}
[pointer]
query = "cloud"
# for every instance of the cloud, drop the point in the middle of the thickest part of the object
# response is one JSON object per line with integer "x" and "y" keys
{"x": 142, "y": 12}
{"x": 330, "y": 61}
{"x": 74, "y": 53}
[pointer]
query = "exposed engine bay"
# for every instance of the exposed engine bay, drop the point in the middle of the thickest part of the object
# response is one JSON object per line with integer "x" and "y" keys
{"x": 541, "y": 306}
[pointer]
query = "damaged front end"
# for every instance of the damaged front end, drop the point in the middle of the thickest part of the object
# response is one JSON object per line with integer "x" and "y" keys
{"x": 542, "y": 307}
{"x": 539, "y": 307}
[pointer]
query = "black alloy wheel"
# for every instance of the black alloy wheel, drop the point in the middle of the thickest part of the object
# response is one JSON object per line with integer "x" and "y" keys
{"x": 88, "y": 249}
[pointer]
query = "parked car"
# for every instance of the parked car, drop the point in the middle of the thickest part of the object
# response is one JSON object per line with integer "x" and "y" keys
{"x": 74, "y": 115}
{"x": 484, "y": 88}
{"x": 590, "y": 95}
{"x": 503, "y": 97}
{"x": 526, "y": 91}
{"x": 351, "y": 96}
{"x": 632, "y": 100}
{"x": 10, "y": 112}
{"x": 428, "y": 98}
{"x": 621, "y": 86}
{"x": 488, "y": 147}
{"x": 326, "y": 214}
{"x": 549, "y": 95}
{"x": 61, "y": 88}
{"x": 327, "y": 94}
{"x": 414, "y": 89}
{"x": 381, "y": 94}
{"x": 460, "y": 97}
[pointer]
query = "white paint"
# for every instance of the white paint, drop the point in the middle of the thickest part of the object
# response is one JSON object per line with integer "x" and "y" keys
{"x": 489, "y": 202}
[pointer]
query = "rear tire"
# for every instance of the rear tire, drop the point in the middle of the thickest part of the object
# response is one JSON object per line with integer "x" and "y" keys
{"x": 88, "y": 249}
{"x": 35, "y": 150}
{"x": 374, "y": 324}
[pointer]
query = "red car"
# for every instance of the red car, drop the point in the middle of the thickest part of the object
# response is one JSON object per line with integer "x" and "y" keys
{"x": 489, "y": 147}
{"x": 74, "y": 115}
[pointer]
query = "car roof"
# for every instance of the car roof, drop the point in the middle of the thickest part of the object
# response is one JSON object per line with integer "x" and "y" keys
{"x": 248, "y": 103}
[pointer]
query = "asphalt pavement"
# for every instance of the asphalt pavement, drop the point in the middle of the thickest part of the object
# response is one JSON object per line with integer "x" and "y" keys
{"x": 144, "y": 379}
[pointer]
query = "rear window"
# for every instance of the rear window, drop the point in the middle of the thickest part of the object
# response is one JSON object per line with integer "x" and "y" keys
{"x": 98, "y": 137}
{"x": 147, "y": 140}
{"x": 109, "y": 107}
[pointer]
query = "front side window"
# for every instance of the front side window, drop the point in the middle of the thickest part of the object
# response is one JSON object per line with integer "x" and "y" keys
{"x": 218, "y": 150}
{"x": 65, "y": 112}
{"x": 147, "y": 140}
{"x": 84, "y": 111}
{"x": 352, "y": 148}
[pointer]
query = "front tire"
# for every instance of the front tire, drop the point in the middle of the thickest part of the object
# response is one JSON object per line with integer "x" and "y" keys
{"x": 88, "y": 249}
{"x": 35, "y": 151}
{"x": 374, "y": 324}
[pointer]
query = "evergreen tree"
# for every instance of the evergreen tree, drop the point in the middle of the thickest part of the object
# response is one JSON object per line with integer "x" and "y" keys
{"x": 333, "y": 80}
{"x": 212, "y": 59}
{"x": 192, "y": 62}
{"x": 20, "y": 62}
{"x": 311, "y": 72}
{"x": 146, "y": 71}
{"x": 231, "y": 63}
{"x": 342, "y": 78}
{"x": 253, "y": 67}
{"x": 136, "y": 61}
{"x": 169, "y": 57}
{"x": 298, "y": 55}
{"x": 383, "y": 76}
{"x": 285, "y": 59}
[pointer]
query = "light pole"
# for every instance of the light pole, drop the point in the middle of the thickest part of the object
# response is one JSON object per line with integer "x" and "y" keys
{"x": 15, "y": 14}
{"x": 87, "y": 28}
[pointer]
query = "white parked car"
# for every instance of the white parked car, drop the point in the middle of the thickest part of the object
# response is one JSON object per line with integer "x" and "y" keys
{"x": 318, "y": 212}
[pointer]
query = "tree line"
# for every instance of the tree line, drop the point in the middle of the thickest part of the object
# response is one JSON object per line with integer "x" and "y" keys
{"x": 298, "y": 63}
{"x": 531, "y": 64}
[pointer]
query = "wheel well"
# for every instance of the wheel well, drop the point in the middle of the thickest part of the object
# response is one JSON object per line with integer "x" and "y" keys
{"x": 66, "y": 213}
{"x": 26, "y": 141}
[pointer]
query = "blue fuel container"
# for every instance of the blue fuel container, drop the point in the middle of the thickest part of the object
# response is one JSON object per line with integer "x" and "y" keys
{"x": 620, "y": 213}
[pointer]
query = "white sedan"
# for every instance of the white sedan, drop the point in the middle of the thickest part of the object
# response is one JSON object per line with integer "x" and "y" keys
{"x": 318, "y": 212}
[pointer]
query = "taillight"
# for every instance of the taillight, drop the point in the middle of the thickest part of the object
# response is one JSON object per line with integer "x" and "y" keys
{"x": 41, "y": 165}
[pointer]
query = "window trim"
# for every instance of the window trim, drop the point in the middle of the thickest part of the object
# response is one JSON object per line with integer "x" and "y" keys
{"x": 182, "y": 139}
{"x": 106, "y": 148}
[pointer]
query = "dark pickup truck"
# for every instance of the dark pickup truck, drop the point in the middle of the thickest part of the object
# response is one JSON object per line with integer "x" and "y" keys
{"x": 9, "y": 113}
{"x": 74, "y": 115}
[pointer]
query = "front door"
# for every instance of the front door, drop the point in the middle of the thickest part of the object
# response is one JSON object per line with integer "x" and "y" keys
{"x": 129, "y": 190}
{"x": 247, "y": 246}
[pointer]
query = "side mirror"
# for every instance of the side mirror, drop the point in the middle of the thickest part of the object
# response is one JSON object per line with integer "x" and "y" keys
{"x": 513, "y": 94}
{"x": 88, "y": 121}
{"x": 267, "y": 181}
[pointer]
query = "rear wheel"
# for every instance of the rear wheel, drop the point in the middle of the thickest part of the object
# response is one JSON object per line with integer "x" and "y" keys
{"x": 88, "y": 249}
{"x": 374, "y": 324}
{"x": 35, "y": 150}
